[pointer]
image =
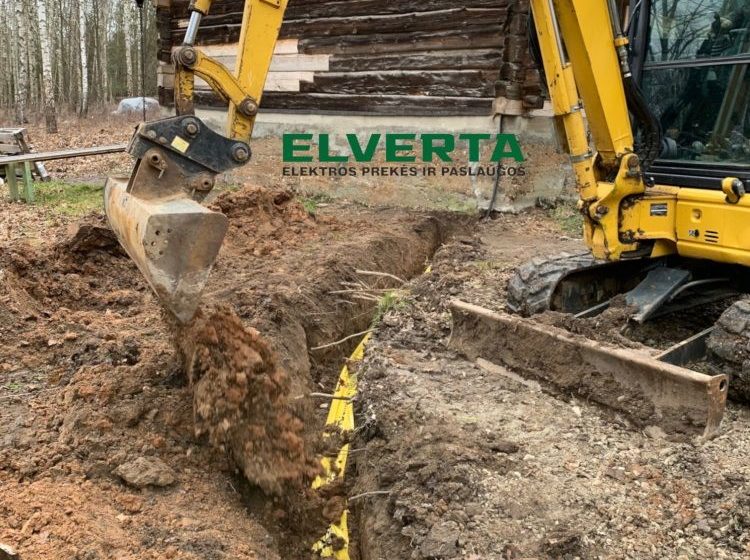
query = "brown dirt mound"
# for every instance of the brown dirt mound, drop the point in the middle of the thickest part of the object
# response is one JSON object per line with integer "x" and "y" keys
{"x": 263, "y": 222}
{"x": 241, "y": 400}
{"x": 609, "y": 326}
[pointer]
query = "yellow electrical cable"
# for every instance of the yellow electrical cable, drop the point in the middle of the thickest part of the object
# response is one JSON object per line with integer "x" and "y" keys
{"x": 341, "y": 417}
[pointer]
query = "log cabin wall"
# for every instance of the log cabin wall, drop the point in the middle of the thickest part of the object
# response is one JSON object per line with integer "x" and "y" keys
{"x": 397, "y": 57}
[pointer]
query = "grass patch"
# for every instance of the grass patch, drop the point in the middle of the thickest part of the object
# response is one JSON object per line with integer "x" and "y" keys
{"x": 567, "y": 216}
{"x": 70, "y": 199}
{"x": 13, "y": 386}
{"x": 455, "y": 202}
{"x": 311, "y": 202}
{"x": 391, "y": 300}
{"x": 227, "y": 187}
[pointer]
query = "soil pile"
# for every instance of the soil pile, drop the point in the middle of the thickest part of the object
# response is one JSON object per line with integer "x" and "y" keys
{"x": 241, "y": 400}
{"x": 262, "y": 222}
{"x": 608, "y": 326}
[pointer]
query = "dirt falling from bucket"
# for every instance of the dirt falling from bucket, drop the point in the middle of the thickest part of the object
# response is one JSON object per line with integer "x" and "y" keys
{"x": 242, "y": 401}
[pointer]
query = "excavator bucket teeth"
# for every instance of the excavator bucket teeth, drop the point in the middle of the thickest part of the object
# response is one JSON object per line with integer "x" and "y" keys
{"x": 173, "y": 240}
{"x": 648, "y": 391}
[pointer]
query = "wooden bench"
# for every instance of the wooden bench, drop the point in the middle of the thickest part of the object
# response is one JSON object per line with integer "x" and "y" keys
{"x": 14, "y": 141}
{"x": 9, "y": 163}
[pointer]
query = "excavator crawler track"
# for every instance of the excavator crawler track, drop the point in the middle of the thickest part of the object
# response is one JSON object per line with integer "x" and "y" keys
{"x": 532, "y": 285}
{"x": 729, "y": 348}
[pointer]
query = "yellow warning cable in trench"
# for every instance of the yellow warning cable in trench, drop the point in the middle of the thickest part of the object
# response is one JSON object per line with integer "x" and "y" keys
{"x": 341, "y": 417}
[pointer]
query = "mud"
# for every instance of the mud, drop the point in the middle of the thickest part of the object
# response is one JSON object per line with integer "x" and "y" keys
{"x": 242, "y": 401}
{"x": 609, "y": 326}
{"x": 92, "y": 377}
{"x": 615, "y": 326}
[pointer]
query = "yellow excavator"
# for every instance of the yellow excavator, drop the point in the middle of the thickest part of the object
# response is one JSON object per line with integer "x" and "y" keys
{"x": 651, "y": 99}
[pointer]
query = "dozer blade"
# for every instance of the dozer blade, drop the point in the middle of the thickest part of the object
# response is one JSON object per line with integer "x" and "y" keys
{"x": 173, "y": 240}
{"x": 648, "y": 391}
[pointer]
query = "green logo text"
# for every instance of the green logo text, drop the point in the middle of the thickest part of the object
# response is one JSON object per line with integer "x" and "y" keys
{"x": 400, "y": 147}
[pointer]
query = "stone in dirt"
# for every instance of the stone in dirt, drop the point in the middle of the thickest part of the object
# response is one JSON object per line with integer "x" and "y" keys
{"x": 7, "y": 552}
{"x": 441, "y": 541}
{"x": 654, "y": 432}
{"x": 503, "y": 446}
{"x": 144, "y": 472}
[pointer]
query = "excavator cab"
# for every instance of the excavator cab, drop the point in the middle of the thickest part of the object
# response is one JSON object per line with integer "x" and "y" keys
{"x": 691, "y": 60}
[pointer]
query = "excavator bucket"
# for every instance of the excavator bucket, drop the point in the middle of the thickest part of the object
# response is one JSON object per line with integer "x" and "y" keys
{"x": 173, "y": 239}
{"x": 156, "y": 212}
{"x": 648, "y": 391}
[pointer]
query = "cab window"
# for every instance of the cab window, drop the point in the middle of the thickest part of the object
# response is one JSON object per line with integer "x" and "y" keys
{"x": 696, "y": 78}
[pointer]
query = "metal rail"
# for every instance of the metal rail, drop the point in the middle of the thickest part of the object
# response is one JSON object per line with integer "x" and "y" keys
{"x": 63, "y": 154}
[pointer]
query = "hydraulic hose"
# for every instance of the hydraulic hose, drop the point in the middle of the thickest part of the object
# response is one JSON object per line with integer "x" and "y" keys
{"x": 650, "y": 147}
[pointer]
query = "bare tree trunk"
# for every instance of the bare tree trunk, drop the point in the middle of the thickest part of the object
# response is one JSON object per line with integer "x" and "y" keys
{"x": 60, "y": 56}
{"x": 106, "y": 93}
{"x": 84, "y": 58}
{"x": 128, "y": 48}
{"x": 50, "y": 111}
{"x": 22, "y": 83}
{"x": 5, "y": 56}
{"x": 33, "y": 49}
{"x": 74, "y": 56}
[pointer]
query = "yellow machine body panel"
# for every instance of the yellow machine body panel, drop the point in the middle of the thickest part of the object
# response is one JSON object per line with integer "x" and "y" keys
{"x": 694, "y": 223}
{"x": 707, "y": 227}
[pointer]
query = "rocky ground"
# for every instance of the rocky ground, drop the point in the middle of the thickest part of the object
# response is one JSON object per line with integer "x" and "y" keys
{"x": 476, "y": 462}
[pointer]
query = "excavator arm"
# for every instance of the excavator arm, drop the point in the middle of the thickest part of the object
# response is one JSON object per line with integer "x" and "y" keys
{"x": 242, "y": 88}
{"x": 156, "y": 212}
{"x": 586, "y": 70}
{"x": 586, "y": 62}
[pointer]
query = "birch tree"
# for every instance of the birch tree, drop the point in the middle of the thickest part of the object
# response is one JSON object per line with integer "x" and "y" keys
{"x": 22, "y": 73}
{"x": 60, "y": 56}
{"x": 84, "y": 108}
{"x": 50, "y": 111}
{"x": 6, "y": 77}
{"x": 128, "y": 47}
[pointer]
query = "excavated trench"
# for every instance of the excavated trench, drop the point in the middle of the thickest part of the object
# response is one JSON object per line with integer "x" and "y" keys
{"x": 230, "y": 392}
{"x": 255, "y": 354}
{"x": 265, "y": 420}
